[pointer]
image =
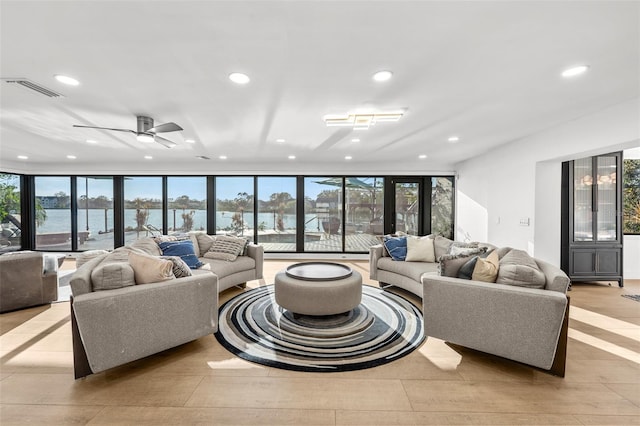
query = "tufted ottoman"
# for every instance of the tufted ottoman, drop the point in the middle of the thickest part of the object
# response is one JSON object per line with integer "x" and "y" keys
{"x": 318, "y": 288}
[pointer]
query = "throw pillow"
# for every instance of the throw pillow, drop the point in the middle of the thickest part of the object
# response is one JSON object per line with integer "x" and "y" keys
{"x": 147, "y": 245}
{"x": 449, "y": 265}
{"x": 519, "y": 269}
{"x": 420, "y": 249}
{"x": 205, "y": 242}
{"x": 180, "y": 268}
{"x": 462, "y": 248}
{"x": 182, "y": 248}
{"x": 486, "y": 269}
{"x": 226, "y": 248}
{"x": 111, "y": 276}
{"x": 149, "y": 269}
{"x": 86, "y": 256}
{"x": 396, "y": 247}
{"x": 441, "y": 246}
{"x": 466, "y": 270}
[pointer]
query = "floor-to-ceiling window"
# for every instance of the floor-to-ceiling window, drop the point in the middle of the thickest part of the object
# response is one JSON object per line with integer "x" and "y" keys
{"x": 187, "y": 204}
{"x": 95, "y": 212}
{"x": 10, "y": 226}
{"x": 282, "y": 213}
{"x": 53, "y": 212}
{"x": 142, "y": 207}
{"x": 323, "y": 214}
{"x": 442, "y": 208}
{"x": 364, "y": 208}
{"x": 276, "y": 219}
{"x": 234, "y": 206}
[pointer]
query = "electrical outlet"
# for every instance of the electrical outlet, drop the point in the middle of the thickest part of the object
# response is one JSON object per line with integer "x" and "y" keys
{"x": 524, "y": 221}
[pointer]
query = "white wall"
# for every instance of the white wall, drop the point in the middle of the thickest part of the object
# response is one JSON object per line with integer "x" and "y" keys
{"x": 522, "y": 180}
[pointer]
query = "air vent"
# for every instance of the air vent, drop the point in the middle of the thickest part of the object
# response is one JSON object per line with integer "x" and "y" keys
{"x": 28, "y": 84}
{"x": 203, "y": 157}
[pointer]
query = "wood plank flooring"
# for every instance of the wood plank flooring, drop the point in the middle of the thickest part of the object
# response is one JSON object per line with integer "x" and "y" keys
{"x": 201, "y": 383}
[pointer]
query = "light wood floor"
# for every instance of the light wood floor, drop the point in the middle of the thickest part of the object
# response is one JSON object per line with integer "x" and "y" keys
{"x": 202, "y": 383}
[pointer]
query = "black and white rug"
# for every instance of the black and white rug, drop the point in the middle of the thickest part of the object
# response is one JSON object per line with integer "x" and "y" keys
{"x": 383, "y": 328}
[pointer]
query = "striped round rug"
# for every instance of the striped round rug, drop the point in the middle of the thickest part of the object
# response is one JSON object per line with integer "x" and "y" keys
{"x": 383, "y": 328}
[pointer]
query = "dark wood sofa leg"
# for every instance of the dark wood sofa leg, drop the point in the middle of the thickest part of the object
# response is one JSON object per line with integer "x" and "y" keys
{"x": 560, "y": 360}
{"x": 81, "y": 366}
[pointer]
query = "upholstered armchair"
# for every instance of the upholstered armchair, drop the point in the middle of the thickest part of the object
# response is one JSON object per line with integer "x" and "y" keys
{"x": 27, "y": 279}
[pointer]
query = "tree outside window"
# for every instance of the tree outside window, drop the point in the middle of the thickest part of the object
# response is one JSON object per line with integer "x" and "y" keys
{"x": 631, "y": 197}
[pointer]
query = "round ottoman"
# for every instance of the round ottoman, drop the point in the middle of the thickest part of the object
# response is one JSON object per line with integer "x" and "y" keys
{"x": 331, "y": 297}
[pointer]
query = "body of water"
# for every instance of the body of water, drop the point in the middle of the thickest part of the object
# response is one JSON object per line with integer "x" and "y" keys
{"x": 101, "y": 220}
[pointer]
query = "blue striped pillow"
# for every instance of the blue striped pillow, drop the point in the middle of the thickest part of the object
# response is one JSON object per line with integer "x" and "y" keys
{"x": 184, "y": 249}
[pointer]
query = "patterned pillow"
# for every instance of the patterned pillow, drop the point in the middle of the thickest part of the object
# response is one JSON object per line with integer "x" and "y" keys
{"x": 182, "y": 248}
{"x": 449, "y": 265}
{"x": 397, "y": 247}
{"x": 462, "y": 248}
{"x": 180, "y": 268}
{"x": 226, "y": 248}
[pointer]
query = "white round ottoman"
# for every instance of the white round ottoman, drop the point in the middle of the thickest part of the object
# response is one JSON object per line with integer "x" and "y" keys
{"x": 304, "y": 295}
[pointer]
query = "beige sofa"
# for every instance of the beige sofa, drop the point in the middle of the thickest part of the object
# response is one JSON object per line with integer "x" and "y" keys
{"x": 114, "y": 325}
{"x": 27, "y": 279}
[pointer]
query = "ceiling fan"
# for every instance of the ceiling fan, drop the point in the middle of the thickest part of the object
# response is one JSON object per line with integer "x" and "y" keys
{"x": 146, "y": 132}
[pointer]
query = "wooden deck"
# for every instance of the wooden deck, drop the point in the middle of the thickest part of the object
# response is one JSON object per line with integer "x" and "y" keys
{"x": 328, "y": 243}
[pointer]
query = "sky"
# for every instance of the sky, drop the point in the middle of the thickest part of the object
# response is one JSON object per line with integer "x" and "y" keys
{"x": 193, "y": 187}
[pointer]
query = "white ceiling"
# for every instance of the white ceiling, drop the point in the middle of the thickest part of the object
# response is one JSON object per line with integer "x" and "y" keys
{"x": 486, "y": 71}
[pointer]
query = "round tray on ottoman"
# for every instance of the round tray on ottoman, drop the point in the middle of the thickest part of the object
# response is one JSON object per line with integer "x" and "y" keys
{"x": 318, "y": 288}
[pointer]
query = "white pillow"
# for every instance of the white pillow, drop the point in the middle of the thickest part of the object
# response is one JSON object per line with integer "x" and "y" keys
{"x": 420, "y": 249}
{"x": 149, "y": 269}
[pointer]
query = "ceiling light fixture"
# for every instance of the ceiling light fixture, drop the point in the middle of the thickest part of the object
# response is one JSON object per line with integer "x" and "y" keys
{"x": 189, "y": 141}
{"x": 143, "y": 137}
{"x": 355, "y": 140}
{"x": 360, "y": 120}
{"x": 422, "y": 156}
{"x": 382, "y": 75}
{"x": 71, "y": 157}
{"x": 280, "y": 140}
{"x": 239, "y": 78}
{"x": 23, "y": 157}
{"x": 453, "y": 139}
{"x": 348, "y": 157}
{"x": 66, "y": 80}
{"x": 291, "y": 157}
{"x": 223, "y": 157}
{"x": 148, "y": 157}
{"x": 91, "y": 141}
{"x": 574, "y": 71}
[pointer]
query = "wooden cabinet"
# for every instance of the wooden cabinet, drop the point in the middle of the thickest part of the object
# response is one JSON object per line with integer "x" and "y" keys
{"x": 592, "y": 218}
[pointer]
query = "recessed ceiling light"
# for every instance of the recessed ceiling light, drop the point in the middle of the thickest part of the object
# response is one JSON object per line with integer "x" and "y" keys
{"x": 189, "y": 141}
{"x": 148, "y": 157}
{"x": 66, "y": 80}
{"x": 355, "y": 140}
{"x": 573, "y": 71}
{"x": 23, "y": 157}
{"x": 91, "y": 141}
{"x": 239, "y": 78}
{"x": 291, "y": 157}
{"x": 453, "y": 139}
{"x": 71, "y": 157}
{"x": 382, "y": 75}
{"x": 348, "y": 157}
{"x": 280, "y": 140}
{"x": 223, "y": 157}
{"x": 422, "y": 156}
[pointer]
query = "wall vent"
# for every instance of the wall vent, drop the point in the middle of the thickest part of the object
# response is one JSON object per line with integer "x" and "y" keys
{"x": 28, "y": 84}
{"x": 203, "y": 157}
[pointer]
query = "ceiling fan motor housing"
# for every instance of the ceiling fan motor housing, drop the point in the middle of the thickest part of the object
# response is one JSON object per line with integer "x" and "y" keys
{"x": 144, "y": 124}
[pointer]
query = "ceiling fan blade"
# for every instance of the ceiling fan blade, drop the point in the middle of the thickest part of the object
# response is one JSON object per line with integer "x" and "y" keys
{"x": 104, "y": 128}
{"x": 164, "y": 142}
{"x": 165, "y": 128}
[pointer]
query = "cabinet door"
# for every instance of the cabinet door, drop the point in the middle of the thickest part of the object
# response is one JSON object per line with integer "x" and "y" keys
{"x": 608, "y": 262}
{"x": 607, "y": 198}
{"x": 583, "y": 262}
{"x": 583, "y": 186}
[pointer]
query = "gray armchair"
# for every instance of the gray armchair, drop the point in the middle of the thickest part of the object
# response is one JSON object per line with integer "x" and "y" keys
{"x": 25, "y": 281}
